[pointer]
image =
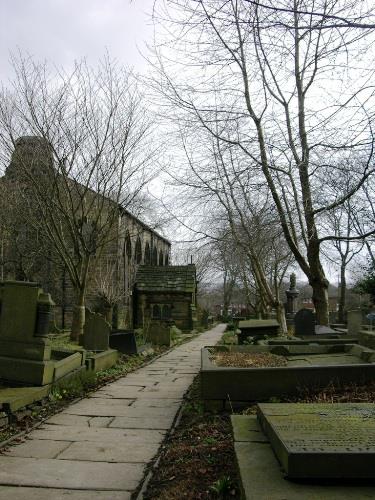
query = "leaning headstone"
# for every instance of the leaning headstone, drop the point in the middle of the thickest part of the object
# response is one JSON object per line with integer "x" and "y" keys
{"x": 304, "y": 323}
{"x": 25, "y": 313}
{"x": 330, "y": 441}
{"x": 354, "y": 321}
{"x": 96, "y": 332}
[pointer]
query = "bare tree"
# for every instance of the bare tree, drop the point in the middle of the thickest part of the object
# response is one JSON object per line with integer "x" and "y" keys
{"x": 81, "y": 152}
{"x": 288, "y": 89}
{"x": 342, "y": 224}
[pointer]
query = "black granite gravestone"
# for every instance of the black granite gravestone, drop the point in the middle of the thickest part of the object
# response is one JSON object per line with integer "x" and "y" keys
{"x": 123, "y": 341}
{"x": 304, "y": 323}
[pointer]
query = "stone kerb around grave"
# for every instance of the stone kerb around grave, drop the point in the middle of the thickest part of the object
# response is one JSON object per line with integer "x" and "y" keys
{"x": 308, "y": 366}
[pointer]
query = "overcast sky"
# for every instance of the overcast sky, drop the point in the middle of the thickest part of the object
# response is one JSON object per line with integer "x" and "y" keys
{"x": 64, "y": 30}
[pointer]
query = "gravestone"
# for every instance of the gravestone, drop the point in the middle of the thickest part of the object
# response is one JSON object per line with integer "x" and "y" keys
{"x": 304, "y": 323}
{"x": 123, "y": 341}
{"x": 329, "y": 441}
{"x": 159, "y": 333}
{"x": 95, "y": 332}
{"x": 25, "y": 313}
{"x": 354, "y": 321}
{"x": 257, "y": 329}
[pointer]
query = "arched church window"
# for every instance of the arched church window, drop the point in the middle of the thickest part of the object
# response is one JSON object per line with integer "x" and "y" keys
{"x": 154, "y": 257}
{"x": 166, "y": 312}
{"x": 147, "y": 254}
{"x": 128, "y": 246}
{"x": 156, "y": 313}
{"x": 138, "y": 251}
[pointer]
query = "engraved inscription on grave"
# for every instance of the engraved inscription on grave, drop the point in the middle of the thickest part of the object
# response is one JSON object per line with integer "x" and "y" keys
{"x": 322, "y": 440}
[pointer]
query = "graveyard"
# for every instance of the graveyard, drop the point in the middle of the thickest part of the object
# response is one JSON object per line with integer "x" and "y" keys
{"x": 187, "y": 250}
{"x": 297, "y": 409}
{"x": 35, "y": 363}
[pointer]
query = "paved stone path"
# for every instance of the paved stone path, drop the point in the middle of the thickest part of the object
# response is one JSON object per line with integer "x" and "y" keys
{"x": 99, "y": 447}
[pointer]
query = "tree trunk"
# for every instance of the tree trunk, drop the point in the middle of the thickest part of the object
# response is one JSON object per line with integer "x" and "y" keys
{"x": 319, "y": 283}
{"x": 108, "y": 314}
{"x": 342, "y": 294}
{"x": 280, "y": 315}
{"x": 78, "y": 316}
{"x": 320, "y": 300}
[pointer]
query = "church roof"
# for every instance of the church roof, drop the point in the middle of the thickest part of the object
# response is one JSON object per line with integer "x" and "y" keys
{"x": 166, "y": 279}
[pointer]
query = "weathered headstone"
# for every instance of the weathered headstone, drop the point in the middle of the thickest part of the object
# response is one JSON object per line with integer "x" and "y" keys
{"x": 354, "y": 321}
{"x": 328, "y": 441}
{"x": 96, "y": 332}
{"x": 304, "y": 323}
{"x": 25, "y": 313}
{"x": 159, "y": 333}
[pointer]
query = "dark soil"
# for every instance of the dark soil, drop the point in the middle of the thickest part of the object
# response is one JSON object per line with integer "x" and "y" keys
{"x": 347, "y": 393}
{"x": 248, "y": 360}
{"x": 198, "y": 460}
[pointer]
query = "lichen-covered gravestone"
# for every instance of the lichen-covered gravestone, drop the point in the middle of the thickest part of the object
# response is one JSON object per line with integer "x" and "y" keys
{"x": 328, "y": 441}
{"x": 24, "y": 317}
{"x": 304, "y": 323}
{"x": 96, "y": 332}
{"x": 159, "y": 333}
{"x": 354, "y": 321}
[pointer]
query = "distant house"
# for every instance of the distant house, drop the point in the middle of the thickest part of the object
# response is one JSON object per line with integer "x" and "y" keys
{"x": 165, "y": 293}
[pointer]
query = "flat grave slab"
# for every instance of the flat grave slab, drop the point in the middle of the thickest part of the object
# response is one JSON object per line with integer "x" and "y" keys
{"x": 328, "y": 441}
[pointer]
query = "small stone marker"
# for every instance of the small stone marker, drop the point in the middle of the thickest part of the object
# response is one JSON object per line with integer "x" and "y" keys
{"x": 322, "y": 440}
{"x": 96, "y": 332}
{"x": 304, "y": 323}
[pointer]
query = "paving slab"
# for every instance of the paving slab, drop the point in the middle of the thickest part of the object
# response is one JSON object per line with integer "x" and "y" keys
{"x": 142, "y": 422}
{"x": 156, "y": 403}
{"x": 69, "y": 474}
{"x": 101, "y": 446}
{"x": 20, "y": 493}
{"x": 37, "y": 448}
{"x": 66, "y": 419}
{"x": 81, "y": 434}
{"x": 100, "y": 421}
{"x": 110, "y": 452}
{"x": 90, "y": 409}
{"x": 128, "y": 392}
